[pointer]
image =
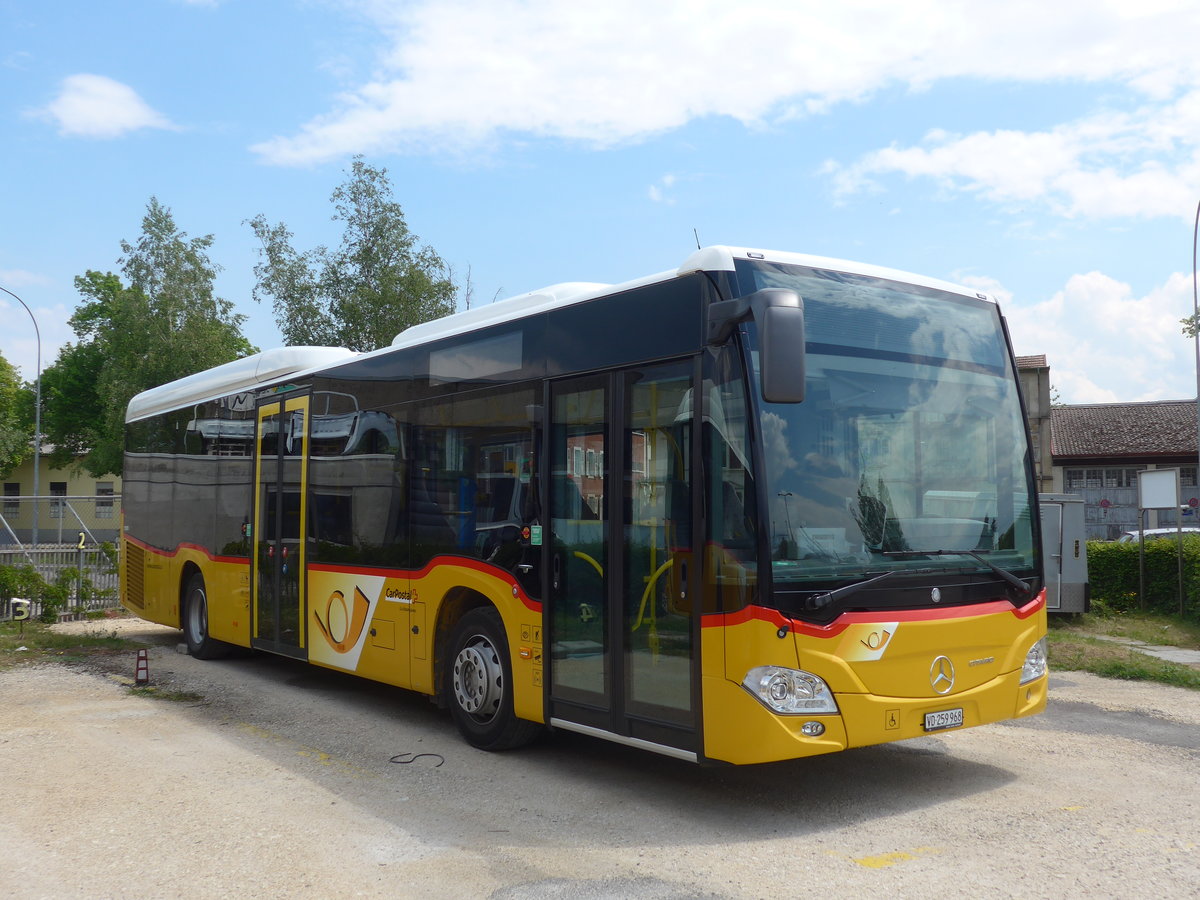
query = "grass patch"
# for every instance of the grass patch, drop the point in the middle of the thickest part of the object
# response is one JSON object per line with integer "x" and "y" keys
{"x": 38, "y": 644}
{"x": 1076, "y": 645}
{"x": 156, "y": 693}
{"x": 1147, "y": 627}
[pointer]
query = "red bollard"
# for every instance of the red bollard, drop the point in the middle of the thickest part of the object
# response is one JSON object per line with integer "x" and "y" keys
{"x": 143, "y": 668}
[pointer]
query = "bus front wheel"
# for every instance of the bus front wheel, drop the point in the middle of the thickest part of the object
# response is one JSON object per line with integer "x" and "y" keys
{"x": 478, "y": 684}
{"x": 195, "y": 622}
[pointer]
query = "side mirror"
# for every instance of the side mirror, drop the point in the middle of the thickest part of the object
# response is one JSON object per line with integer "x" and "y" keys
{"x": 779, "y": 317}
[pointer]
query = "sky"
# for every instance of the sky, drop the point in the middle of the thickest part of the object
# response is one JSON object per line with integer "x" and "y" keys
{"x": 1048, "y": 153}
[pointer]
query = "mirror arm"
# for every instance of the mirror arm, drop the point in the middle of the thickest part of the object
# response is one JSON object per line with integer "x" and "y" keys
{"x": 779, "y": 314}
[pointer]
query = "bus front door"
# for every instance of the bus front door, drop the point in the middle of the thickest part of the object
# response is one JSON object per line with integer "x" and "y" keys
{"x": 278, "y": 618}
{"x": 622, "y": 634}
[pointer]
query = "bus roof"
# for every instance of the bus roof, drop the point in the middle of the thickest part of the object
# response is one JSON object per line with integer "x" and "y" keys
{"x": 247, "y": 372}
{"x": 707, "y": 259}
{"x": 273, "y": 365}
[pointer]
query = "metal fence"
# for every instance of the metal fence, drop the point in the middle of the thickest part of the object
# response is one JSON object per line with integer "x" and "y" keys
{"x": 76, "y": 551}
{"x": 55, "y": 521}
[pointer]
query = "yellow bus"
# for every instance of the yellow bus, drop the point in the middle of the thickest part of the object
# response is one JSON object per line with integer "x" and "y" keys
{"x": 757, "y": 507}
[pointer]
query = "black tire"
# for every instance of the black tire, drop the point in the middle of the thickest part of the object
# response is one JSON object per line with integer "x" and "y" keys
{"x": 478, "y": 684}
{"x": 194, "y": 619}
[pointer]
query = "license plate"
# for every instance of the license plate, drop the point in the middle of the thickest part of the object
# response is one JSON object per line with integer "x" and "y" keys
{"x": 947, "y": 718}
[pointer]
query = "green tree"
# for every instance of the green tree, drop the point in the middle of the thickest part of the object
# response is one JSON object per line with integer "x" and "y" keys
{"x": 15, "y": 431}
{"x": 164, "y": 323}
{"x": 378, "y": 282}
{"x": 70, "y": 400}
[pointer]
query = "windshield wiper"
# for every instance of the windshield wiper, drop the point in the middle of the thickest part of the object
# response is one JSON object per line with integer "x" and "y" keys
{"x": 975, "y": 555}
{"x": 823, "y": 600}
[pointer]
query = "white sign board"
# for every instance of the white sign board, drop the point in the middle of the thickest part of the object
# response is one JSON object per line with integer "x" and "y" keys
{"x": 1158, "y": 489}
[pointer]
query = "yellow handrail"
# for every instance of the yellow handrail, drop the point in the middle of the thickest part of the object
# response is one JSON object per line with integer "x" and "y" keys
{"x": 646, "y": 593}
{"x": 579, "y": 554}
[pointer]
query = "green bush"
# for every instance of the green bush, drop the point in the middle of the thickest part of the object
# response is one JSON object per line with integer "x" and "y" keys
{"x": 1113, "y": 574}
{"x": 56, "y": 596}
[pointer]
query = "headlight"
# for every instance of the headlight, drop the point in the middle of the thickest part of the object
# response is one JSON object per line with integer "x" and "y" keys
{"x": 1035, "y": 662}
{"x": 790, "y": 692}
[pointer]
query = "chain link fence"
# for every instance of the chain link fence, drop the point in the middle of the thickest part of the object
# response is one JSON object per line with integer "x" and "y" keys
{"x": 60, "y": 553}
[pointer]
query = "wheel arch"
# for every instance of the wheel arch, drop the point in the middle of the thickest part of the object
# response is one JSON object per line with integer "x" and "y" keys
{"x": 456, "y": 603}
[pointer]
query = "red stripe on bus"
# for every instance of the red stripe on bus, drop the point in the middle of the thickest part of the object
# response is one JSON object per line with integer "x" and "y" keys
{"x": 440, "y": 561}
{"x": 171, "y": 554}
{"x": 833, "y": 629}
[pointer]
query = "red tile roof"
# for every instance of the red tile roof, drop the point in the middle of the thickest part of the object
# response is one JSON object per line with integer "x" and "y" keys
{"x": 1159, "y": 428}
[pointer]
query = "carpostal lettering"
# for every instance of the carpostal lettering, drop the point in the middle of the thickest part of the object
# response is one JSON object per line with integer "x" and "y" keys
{"x": 401, "y": 596}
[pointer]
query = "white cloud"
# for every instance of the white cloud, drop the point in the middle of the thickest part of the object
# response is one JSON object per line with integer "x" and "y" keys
{"x": 1145, "y": 163}
{"x": 658, "y": 192}
{"x": 19, "y": 278}
{"x": 460, "y": 73}
{"x": 1103, "y": 343}
{"x": 94, "y": 106}
{"x": 21, "y": 345}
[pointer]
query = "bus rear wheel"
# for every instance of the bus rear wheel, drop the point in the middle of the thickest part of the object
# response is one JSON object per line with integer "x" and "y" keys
{"x": 478, "y": 684}
{"x": 200, "y": 644}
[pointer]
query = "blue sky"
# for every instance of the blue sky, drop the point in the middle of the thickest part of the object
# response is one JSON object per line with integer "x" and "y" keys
{"x": 1048, "y": 153}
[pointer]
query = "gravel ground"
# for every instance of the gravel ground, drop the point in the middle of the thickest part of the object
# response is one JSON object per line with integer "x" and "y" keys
{"x": 277, "y": 783}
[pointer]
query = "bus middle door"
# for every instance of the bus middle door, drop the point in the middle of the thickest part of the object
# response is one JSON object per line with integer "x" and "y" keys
{"x": 281, "y": 468}
{"x": 622, "y": 631}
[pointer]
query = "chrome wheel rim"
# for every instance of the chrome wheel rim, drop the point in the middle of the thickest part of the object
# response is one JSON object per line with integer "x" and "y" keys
{"x": 478, "y": 679}
{"x": 197, "y": 616}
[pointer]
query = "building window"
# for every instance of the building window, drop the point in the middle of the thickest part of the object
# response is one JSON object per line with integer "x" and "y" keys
{"x": 57, "y": 489}
{"x": 1111, "y": 477}
{"x": 104, "y": 502}
{"x": 12, "y": 489}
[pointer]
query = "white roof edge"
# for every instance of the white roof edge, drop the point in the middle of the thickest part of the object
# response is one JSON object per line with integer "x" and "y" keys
{"x": 721, "y": 259}
{"x": 501, "y": 311}
{"x": 717, "y": 258}
{"x": 708, "y": 259}
{"x": 240, "y": 374}
{"x": 283, "y": 361}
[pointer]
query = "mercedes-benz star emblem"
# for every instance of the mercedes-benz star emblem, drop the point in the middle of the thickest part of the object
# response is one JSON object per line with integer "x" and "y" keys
{"x": 941, "y": 675}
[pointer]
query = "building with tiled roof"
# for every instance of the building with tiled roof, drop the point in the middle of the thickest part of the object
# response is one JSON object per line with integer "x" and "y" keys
{"x": 1095, "y": 450}
{"x": 1098, "y": 449}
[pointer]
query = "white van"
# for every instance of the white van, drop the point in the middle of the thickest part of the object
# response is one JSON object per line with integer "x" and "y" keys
{"x": 1130, "y": 537}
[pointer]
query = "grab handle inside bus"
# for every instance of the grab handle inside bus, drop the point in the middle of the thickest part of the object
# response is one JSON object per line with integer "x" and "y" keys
{"x": 779, "y": 317}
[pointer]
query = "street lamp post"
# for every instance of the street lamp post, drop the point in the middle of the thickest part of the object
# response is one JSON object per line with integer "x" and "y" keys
{"x": 37, "y": 413}
{"x": 1196, "y": 337}
{"x": 787, "y": 516}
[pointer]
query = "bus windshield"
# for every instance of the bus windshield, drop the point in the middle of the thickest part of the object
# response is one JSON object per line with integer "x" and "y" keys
{"x": 909, "y": 453}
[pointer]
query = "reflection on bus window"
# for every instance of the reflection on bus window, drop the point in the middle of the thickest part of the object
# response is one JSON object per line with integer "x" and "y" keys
{"x": 730, "y": 560}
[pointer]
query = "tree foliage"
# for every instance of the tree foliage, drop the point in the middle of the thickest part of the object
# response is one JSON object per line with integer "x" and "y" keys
{"x": 71, "y": 398}
{"x": 15, "y": 433}
{"x": 377, "y": 283}
{"x": 163, "y": 323}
